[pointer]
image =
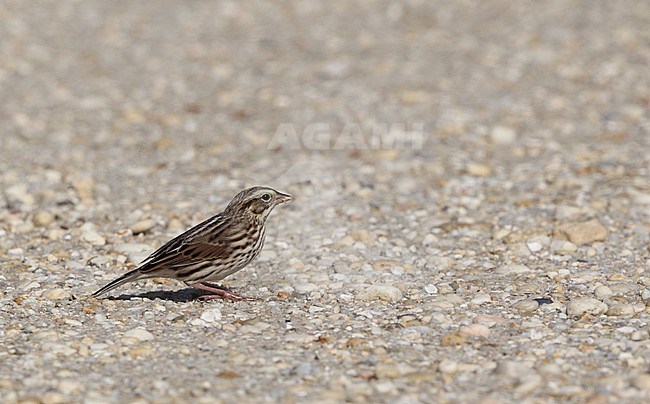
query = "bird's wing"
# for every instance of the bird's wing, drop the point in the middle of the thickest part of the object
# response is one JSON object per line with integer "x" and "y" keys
{"x": 206, "y": 241}
{"x": 188, "y": 254}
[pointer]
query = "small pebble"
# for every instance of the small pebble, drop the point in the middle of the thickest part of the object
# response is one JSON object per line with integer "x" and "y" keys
{"x": 256, "y": 328}
{"x": 475, "y": 330}
{"x": 620, "y": 310}
{"x": 502, "y": 135}
{"x": 429, "y": 239}
{"x": 16, "y": 251}
{"x": 386, "y": 293}
{"x": 513, "y": 269}
{"x": 584, "y": 232}
{"x": 478, "y": 170}
{"x": 304, "y": 288}
{"x": 93, "y": 238}
{"x": 489, "y": 321}
{"x": 448, "y": 366}
{"x": 602, "y": 292}
{"x": 513, "y": 369}
{"x": 18, "y": 194}
{"x": 42, "y": 218}
{"x": 585, "y": 305}
{"x": 143, "y": 226}
{"x": 480, "y": 299}
{"x": 140, "y": 334}
{"x": 640, "y": 335}
{"x": 501, "y": 233}
{"x": 563, "y": 247}
{"x": 56, "y": 294}
{"x": 212, "y": 315}
{"x": 526, "y": 305}
{"x": 534, "y": 246}
{"x": 55, "y": 234}
{"x": 135, "y": 252}
{"x": 431, "y": 289}
{"x": 626, "y": 330}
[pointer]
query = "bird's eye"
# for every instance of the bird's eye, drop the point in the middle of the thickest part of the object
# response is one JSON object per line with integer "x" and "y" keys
{"x": 266, "y": 197}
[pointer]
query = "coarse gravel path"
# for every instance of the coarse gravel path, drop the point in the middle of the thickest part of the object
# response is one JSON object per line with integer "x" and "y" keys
{"x": 471, "y": 213}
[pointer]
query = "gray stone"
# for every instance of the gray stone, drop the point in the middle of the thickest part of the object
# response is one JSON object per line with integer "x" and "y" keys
{"x": 585, "y": 305}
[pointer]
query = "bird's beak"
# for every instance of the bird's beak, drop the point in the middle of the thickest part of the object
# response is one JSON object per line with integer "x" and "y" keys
{"x": 281, "y": 198}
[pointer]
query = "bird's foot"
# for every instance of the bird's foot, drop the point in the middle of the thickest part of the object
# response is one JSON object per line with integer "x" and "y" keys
{"x": 219, "y": 293}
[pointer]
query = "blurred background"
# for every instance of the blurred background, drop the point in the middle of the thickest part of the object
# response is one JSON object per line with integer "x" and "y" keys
{"x": 182, "y": 99}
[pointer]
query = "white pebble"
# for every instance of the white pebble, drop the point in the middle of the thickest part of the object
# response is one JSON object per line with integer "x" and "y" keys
{"x": 480, "y": 299}
{"x": 381, "y": 292}
{"x": 448, "y": 366}
{"x": 385, "y": 388}
{"x": 639, "y": 335}
{"x": 304, "y": 288}
{"x": 431, "y": 289}
{"x": 534, "y": 246}
{"x": 16, "y": 251}
{"x": 475, "y": 330}
{"x": 140, "y": 334}
{"x": 73, "y": 322}
{"x": 19, "y": 193}
{"x": 197, "y": 322}
{"x": 585, "y": 305}
{"x": 93, "y": 237}
{"x": 429, "y": 239}
{"x": 503, "y": 135}
{"x": 56, "y": 294}
{"x": 135, "y": 252}
{"x": 143, "y": 226}
{"x": 563, "y": 247}
{"x": 526, "y": 305}
{"x": 212, "y": 315}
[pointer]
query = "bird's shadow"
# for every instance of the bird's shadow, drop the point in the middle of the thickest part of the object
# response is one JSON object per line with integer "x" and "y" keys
{"x": 181, "y": 296}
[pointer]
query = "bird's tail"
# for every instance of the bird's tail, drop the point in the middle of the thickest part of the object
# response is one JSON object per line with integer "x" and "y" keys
{"x": 127, "y": 277}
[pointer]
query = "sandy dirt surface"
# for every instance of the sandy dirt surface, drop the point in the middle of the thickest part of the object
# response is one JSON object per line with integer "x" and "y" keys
{"x": 471, "y": 213}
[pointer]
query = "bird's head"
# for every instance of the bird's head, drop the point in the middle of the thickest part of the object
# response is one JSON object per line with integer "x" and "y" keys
{"x": 257, "y": 202}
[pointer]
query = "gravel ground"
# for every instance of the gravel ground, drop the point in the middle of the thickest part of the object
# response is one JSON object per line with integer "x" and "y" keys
{"x": 499, "y": 254}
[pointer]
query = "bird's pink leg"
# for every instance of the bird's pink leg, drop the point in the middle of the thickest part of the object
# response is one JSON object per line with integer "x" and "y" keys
{"x": 219, "y": 293}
